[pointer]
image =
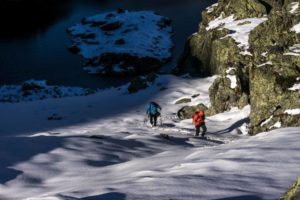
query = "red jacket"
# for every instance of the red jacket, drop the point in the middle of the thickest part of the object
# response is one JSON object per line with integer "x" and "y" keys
{"x": 198, "y": 118}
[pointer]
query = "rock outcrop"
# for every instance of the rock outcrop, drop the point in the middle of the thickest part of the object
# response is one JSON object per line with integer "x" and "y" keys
{"x": 254, "y": 47}
{"x": 293, "y": 192}
{"x": 123, "y": 42}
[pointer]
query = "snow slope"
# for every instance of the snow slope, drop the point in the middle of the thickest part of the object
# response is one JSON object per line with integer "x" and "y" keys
{"x": 102, "y": 149}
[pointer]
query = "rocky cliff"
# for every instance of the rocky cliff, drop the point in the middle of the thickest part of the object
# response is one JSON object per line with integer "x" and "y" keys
{"x": 254, "y": 47}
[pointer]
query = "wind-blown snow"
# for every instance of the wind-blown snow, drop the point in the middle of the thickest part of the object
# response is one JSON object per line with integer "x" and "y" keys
{"x": 102, "y": 149}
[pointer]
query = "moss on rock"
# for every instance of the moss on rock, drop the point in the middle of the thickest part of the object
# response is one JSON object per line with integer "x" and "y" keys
{"x": 183, "y": 100}
{"x": 187, "y": 111}
{"x": 270, "y": 98}
{"x": 293, "y": 192}
{"x": 264, "y": 77}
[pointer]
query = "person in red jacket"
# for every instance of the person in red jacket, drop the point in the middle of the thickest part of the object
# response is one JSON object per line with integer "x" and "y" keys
{"x": 198, "y": 120}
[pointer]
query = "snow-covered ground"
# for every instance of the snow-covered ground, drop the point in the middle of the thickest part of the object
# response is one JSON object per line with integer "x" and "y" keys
{"x": 33, "y": 90}
{"x": 100, "y": 148}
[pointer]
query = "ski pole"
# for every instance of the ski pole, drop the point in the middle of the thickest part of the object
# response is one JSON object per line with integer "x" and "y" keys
{"x": 145, "y": 119}
{"x": 160, "y": 120}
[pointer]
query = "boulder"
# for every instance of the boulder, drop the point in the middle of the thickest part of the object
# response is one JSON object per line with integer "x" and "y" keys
{"x": 141, "y": 82}
{"x": 223, "y": 96}
{"x": 183, "y": 100}
{"x": 187, "y": 111}
{"x": 136, "y": 84}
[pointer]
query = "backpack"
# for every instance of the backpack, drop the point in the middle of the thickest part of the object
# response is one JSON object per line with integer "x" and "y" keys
{"x": 153, "y": 108}
{"x": 198, "y": 118}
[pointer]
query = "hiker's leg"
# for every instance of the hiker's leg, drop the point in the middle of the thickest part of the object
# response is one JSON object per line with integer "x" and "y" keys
{"x": 197, "y": 130}
{"x": 151, "y": 119}
{"x": 203, "y": 128}
{"x": 155, "y": 119}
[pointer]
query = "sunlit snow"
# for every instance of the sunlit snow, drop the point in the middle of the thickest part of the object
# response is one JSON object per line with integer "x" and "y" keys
{"x": 103, "y": 149}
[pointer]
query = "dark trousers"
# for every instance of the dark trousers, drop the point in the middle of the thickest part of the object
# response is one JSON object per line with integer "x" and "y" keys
{"x": 203, "y": 129}
{"x": 153, "y": 119}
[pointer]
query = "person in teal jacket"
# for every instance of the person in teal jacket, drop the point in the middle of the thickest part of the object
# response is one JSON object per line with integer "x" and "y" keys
{"x": 153, "y": 111}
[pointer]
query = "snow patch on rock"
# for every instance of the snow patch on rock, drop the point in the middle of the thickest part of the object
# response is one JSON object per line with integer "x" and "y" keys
{"x": 294, "y": 8}
{"x": 264, "y": 54}
{"x": 266, "y": 121}
{"x": 233, "y": 81}
{"x": 294, "y": 50}
{"x": 296, "y": 28}
{"x": 293, "y": 111}
{"x": 121, "y": 36}
{"x": 266, "y": 63}
{"x": 240, "y": 29}
{"x": 276, "y": 125}
{"x": 220, "y": 21}
{"x": 211, "y": 8}
{"x": 295, "y": 87}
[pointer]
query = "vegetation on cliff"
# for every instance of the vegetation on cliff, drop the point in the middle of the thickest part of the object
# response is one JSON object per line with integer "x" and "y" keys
{"x": 253, "y": 45}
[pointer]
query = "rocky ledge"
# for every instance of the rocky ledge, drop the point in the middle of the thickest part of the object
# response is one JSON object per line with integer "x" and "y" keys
{"x": 37, "y": 90}
{"x": 254, "y": 47}
{"x": 293, "y": 192}
{"x": 123, "y": 42}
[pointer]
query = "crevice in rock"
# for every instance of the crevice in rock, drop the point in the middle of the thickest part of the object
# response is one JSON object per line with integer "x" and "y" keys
{"x": 267, "y": 6}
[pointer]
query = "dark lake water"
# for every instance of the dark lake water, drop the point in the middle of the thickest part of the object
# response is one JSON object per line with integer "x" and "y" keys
{"x": 33, "y": 40}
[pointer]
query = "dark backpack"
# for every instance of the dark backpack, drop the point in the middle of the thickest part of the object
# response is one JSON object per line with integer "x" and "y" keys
{"x": 153, "y": 108}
